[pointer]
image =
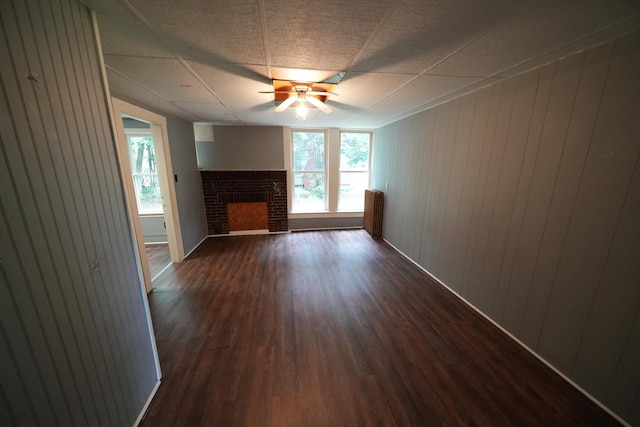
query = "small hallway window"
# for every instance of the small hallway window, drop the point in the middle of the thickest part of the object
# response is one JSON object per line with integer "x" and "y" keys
{"x": 144, "y": 172}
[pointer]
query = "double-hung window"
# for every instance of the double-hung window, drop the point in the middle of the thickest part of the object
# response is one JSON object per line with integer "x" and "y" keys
{"x": 309, "y": 173}
{"x": 355, "y": 148}
{"x": 144, "y": 172}
{"x": 329, "y": 171}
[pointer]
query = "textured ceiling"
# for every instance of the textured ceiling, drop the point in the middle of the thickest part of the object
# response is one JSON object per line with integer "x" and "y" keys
{"x": 207, "y": 60}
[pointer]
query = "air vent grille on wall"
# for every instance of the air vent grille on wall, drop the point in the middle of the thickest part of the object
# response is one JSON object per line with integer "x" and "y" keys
{"x": 203, "y": 132}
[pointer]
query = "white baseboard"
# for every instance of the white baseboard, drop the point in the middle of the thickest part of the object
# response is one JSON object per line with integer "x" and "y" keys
{"x": 196, "y": 246}
{"x": 356, "y": 227}
{"x": 146, "y": 405}
{"x": 514, "y": 338}
{"x": 249, "y": 233}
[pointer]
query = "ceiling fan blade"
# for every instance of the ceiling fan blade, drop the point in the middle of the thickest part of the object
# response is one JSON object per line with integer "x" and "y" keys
{"x": 321, "y": 105}
{"x": 322, "y": 93}
{"x": 278, "y": 91}
{"x": 290, "y": 100}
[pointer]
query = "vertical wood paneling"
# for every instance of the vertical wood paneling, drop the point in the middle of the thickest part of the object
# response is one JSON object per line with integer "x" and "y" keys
{"x": 528, "y": 262}
{"x": 472, "y": 263}
{"x": 448, "y": 138}
{"x": 20, "y": 401}
{"x": 461, "y": 150}
{"x": 530, "y": 208}
{"x": 616, "y": 303}
{"x": 74, "y": 174}
{"x": 599, "y": 200}
{"x": 465, "y": 263}
{"x": 622, "y": 395}
{"x": 483, "y": 291}
{"x": 428, "y": 182}
{"x": 475, "y": 149}
{"x": 5, "y": 410}
{"x": 515, "y": 256}
{"x": 76, "y": 348}
{"x": 589, "y": 92}
{"x": 508, "y": 217}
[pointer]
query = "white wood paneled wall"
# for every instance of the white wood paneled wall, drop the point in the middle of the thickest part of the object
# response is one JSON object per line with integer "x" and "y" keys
{"x": 75, "y": 346}
{"x": 524, "y": 198}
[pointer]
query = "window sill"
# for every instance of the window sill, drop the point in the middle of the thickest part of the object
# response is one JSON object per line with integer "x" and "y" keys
{"x": 339, "y": 214}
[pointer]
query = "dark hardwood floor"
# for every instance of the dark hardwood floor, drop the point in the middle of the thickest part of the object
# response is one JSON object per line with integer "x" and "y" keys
{"x": 336, "y": 329}
{"x": 158, "y": 257}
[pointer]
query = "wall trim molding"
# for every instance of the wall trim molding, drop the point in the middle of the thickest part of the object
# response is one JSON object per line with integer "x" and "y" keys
{"x": 147, "y": 404}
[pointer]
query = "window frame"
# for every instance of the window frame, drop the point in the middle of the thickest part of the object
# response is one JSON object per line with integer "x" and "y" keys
{"x": 133, "y": 132}
{"x": 341, "y": 171}
{"x": 294, "y": 171}
{"x": 332, "y": 171}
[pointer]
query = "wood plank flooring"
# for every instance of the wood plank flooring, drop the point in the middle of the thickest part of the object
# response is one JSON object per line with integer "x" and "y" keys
{"x": 336, "y": 329}
{"x": 158, "y": 257}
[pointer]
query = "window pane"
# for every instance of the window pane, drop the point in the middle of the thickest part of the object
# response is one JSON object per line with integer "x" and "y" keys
{"x": 145, "y": 176}
{"x": 143, "y": 159}
{"x": 148, "y": 193}
{"x": 308, "y": 151}
{"x": 352, "y": 186}
{"x": 308, "y": 192}
{"x": 354, "y": 151}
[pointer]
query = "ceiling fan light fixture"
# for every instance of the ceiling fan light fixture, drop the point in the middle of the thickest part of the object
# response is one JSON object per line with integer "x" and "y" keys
{"x": 296, "y": 94}
{"x": 301, "y": 109}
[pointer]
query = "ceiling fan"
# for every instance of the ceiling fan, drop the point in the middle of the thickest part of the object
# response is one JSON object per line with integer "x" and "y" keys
{"x": 301, "y": 93}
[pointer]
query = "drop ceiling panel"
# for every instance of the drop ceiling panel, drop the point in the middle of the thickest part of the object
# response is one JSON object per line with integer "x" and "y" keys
{"x": 539, "y": 28}
{"x": 164, "y": 76}
{"x": 302, "y": 74}
{"x": 123, "y": 34}
{"x": 208, "y": 112}
{"x": 175, "y": 111}
{"x": 160, "y": 106}
{"x": 365, "y": 119}
{"x": 608, "y": 33}
{"x": 123, "y": 85}
{"x": 363, "y": 89}
{"x": 419, "y": 33}
{"x": 238, "y": 86}
{"x": 324, "y": 36}
{"x": 208, "y": 30}
{"x": 420, "y": 91}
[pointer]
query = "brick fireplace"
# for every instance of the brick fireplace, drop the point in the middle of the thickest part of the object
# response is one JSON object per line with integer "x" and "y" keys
{"x": 244, "y": 190}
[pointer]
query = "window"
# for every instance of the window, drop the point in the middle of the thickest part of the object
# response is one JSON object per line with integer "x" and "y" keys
{"x": 145, "y": 176}
{"x": 309, "y": 174}
{"x": 329, "y": 170}
{"x": 354, "y": 169}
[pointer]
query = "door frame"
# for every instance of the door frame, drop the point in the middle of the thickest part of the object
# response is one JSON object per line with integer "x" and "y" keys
{"x": 165, "y": 178}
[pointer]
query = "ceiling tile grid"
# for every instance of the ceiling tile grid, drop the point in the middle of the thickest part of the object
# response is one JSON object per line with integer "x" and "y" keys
{"x": 210, "y": 59}
{"x": 152, "y": 73}
{"x": 211, "y": 30}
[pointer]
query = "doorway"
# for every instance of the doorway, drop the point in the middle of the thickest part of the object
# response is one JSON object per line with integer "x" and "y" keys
{"x": 158, "y": 187}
